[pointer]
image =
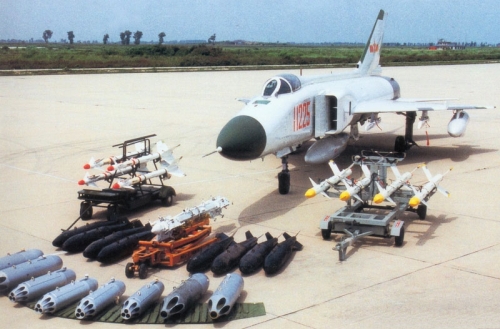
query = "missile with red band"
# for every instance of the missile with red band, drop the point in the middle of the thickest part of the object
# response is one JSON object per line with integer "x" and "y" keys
{"x": 327, "y": 183}
{"x": 401, "y": 180}
{"x": 167, "y": 170}
{"x": 162, "y": 152}
{"x": 93, "y": 163}
{"x": 427, "y": 189}
{"x": 353, "y": 190}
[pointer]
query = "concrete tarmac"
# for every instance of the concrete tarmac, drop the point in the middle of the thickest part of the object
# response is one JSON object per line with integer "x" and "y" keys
{"x": 446, "y": 275}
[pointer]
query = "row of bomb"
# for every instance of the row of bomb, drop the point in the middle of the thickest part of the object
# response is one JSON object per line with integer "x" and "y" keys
{"x": 58, "y": 289}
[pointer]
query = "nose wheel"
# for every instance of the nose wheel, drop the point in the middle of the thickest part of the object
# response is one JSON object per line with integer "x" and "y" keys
{"x": 284, "y": 177}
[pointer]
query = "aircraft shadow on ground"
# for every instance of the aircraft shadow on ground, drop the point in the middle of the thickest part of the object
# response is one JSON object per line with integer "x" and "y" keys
{"x": 274, "y": 205}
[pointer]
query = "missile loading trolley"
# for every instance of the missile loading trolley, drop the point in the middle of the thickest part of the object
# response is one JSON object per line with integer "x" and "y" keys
{"x": 361, "y": 217}
{"x": 130, "y": 184}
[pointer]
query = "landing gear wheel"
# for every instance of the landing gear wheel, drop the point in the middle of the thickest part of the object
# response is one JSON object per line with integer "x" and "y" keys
{"x": 327, "y": 233}
{"x": 167, "y": 194}
{"x": 86, "y": 210}
{"x": 284, "y": 182}
{"x": 398, "y": 240}
{"x": 143, "y": 271}
{"x": 129, "y": 270}
{"x": 421, "y": 211}
{"x": 400, "y": 144}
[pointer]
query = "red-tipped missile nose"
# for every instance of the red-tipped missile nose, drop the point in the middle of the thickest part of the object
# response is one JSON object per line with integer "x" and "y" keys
{"x": 81, "y": 182}
{"x": 110, "y": 168}
{"x": 116, "y": 186}
{"x": 86, "y": 166}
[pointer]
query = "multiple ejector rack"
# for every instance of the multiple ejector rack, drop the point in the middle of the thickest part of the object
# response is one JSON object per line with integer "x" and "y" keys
{"x": 129, "y": 177}
{"x": 364, "y": 214}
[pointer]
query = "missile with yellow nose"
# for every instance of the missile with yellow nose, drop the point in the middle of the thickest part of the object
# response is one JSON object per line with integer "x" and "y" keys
{"x": 428, "y": 188}
{"x": 329, "y": 182}
{"x": 385, "y": 193}
{"x": 353, "y": 190}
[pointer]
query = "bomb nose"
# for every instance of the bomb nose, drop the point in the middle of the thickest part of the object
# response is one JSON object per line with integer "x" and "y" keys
{"x": 242, "y": 138}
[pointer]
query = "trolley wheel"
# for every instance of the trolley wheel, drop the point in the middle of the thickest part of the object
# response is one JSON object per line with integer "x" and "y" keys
{"x": 129, "y": 270}
{"x": 86, "y": 210}
{"x": 143, "y": 271}
{"x": 398, "y": 240}
{"x": 166, "y": 195}
{"x": 400, "y": 144}
{"x": 327, "y": 233}
{"x": 421, "y": 211}
{"x": 112, "y": 212}
{"x": 284, "y": 182}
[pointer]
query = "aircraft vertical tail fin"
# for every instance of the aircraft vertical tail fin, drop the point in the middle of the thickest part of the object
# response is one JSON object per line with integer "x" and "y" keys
{"x": 370, "y": 59}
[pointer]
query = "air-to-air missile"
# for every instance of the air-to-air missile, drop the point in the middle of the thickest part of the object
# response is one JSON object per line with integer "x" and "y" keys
{"x": 165, "y": 227}
{"x": 123, "y": 247}
{"x": 281, "y": 253}
{"x": 99, "y": 299}
{"x": 203, "y": 260}
{"x": 91, "y": 179}
{"x": 353, "y": 190}
{"x": 93, "y": 249}
{"x": 142, "y": 300}
{"x": 98, "y": 163}
{"x": 166, "y": 170}
{"x": 428, "y": 188}
{"x": 36, "y": 287}
{"x": 66, "y": 295}
{"x": 19, "y": 257}
{"x": 385, "y": 193}
{"x": 224, "y": 297}
{"x": 230, "y": 258}
{"x": 254, "y": 259}
{"x": 10, "y": 277}
{"x": 184, "y": 296}
{"x": 162, "y": 152}
{"x": 79, "y": 242}
{"x": 325, "y": 185}
{"x": 61, "y": 238}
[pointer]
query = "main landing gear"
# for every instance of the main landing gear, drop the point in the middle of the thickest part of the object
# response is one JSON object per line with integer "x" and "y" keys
{"x": 284, "y": 177}
{"x": 403, "y": 143}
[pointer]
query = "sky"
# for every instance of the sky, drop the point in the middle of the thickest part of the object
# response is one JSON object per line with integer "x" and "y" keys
{"x": 300, "y": 21}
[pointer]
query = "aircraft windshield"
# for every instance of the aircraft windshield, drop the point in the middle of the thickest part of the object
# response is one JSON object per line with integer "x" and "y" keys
{"x": 281, "y": 84}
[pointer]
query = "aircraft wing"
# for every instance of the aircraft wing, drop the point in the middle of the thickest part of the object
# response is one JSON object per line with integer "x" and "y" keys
{"x": 405, "y": 105}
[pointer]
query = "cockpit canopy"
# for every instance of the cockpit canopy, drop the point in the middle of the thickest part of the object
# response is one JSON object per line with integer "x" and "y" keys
{"x": 281, "y": 84}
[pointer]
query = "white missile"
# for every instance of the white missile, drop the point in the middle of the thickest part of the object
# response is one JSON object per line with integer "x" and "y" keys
{"x": 432, "y": 184}
{"x": 401, "y": 180}
{"x": 93, "y": 163}
{"x": 353, "y": 190}
{"x": 167, "y": 170}
{"x": 91, "y": 179}
{"x": 162, "y": 152}
{"x": 329, "y": 182}
{"x": 164, "y": 226}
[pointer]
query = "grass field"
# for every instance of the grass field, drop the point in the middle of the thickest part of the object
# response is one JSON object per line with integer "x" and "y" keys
{"x": 93, "y": 56}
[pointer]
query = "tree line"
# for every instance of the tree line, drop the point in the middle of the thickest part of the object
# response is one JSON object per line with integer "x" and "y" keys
{"x": 124, "y": 37}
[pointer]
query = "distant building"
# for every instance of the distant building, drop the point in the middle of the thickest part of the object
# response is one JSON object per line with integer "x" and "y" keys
{"x": 446, "y": 45}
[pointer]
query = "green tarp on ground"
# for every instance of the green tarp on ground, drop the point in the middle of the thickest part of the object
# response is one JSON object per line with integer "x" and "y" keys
{"x": 198, "y": 314}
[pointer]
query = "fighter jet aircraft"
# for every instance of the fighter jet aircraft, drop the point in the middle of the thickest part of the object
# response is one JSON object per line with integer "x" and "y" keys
{"x": 292, "y": 110}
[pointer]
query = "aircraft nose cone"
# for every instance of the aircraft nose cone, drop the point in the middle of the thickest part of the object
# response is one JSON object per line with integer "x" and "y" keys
{"x": 242, "y": 138}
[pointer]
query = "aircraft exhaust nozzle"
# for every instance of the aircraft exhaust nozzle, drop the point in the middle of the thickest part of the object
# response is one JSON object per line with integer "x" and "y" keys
{"x": 224, "y": 298}
{"x": 184, "y": 296}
